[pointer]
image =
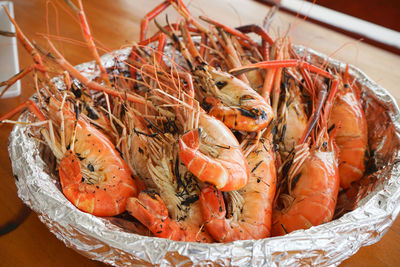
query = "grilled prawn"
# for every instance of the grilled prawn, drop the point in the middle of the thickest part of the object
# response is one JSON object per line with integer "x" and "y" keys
{"x": 93, "y": 175}
{"x": 312, "y": 178}
{"x": 251, "y": 206}
{"x": 225, "y": 97}
{"x": 352, "y": 134}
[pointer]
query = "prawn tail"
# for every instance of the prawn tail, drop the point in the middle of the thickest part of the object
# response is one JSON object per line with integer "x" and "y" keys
{"x": 204, "y": 168}
{"x": 214, "y": 215}
{"x": 151, "y": 211}
{"x": 212, "y": 204}
{"x": 213, "y": 210}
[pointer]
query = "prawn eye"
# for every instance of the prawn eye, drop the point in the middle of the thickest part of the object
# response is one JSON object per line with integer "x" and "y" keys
{"x": 247, "y": 113}
{"x": 206, "y": 106}
{"x": 254, "y": 113}
{"x": 90, "y": 167}
{"x": 170, "y": 126}
{"x": 221, "y": 84}
{"x": 325, "y": 145}
{"x": 76, "y": 90}
{"x": 91, "y": 113}
{"x": 295, "y": 180}
{"x": 262, "y": 114}
{"x": 202, "y": 66}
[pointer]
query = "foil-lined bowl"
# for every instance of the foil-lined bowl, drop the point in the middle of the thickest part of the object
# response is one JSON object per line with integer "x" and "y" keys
{"x": 376, "y": 200}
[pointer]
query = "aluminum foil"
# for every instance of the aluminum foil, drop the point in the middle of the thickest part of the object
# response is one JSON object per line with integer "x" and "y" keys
{"x": 327, "y": 244}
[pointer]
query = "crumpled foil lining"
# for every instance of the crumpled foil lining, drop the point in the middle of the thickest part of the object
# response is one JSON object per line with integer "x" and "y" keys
{"x": 327, "y": 244}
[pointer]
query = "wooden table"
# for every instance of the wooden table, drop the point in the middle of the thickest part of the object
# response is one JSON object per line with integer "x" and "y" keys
{"x": 116, "y": 23}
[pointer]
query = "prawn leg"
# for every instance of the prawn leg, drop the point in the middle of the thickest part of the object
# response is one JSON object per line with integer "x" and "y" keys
{"x": 232, "y": 31}
{"x": 282, "y": 64}
{"x": 178, "y": 5}
{"x": 26, "y": 43}
{"x": 150, "y": 16}
{"x": 258, "y": 30}
{"x": 37, "y": 59}
{"x": 91, "y": 84}
{"x": 89, "y": 39}
{"x": 15, "y": 78}
{"x": 133, "y": 56}
{"x": 27, "y": 104}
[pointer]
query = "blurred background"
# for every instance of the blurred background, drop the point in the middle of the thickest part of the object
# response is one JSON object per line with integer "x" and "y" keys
{"x": 385, "y": 13}
{"x": 382, "y": 12}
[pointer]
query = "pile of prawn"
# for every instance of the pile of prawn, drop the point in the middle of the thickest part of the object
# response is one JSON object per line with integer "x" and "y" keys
{"x": 223, "y": 138}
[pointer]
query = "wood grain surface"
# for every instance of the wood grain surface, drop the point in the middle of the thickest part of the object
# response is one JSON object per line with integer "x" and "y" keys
{"x": 115, "y": 23}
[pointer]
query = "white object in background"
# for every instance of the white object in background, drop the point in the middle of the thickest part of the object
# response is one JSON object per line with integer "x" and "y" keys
{"x": 343, "y": 21}
{"x": 8, "y": 52}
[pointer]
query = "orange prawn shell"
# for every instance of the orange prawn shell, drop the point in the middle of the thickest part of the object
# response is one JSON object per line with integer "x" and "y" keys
{"x": 107, "y": 198}
{"x": 351, "y": 136}
{"x": 227, "y": 172}
{"x": 315, "y": 195}
{"x": 151, "y": 211}
{"x": 243, "y": 108}
{"x": 258, "y": 194}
